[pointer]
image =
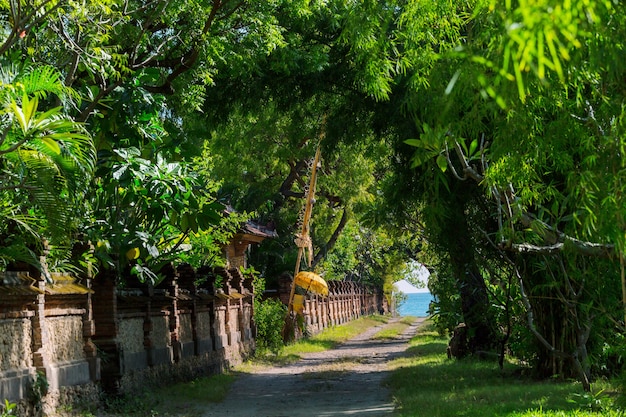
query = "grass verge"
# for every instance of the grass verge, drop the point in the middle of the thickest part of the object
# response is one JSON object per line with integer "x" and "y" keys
{"x": 427, "y": 383}
{"x": 394, "y": 330}
{"x": 180, "y": 400}
{"x": 328, "y": 339}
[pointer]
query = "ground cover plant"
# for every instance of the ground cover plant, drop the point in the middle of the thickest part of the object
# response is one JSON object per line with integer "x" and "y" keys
{"x": 180, "y": 400}
{"x": 426, "y": 383}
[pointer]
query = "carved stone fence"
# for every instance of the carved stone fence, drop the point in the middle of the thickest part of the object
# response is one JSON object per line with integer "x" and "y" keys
{"x": 65, "y": 340}
{"x": 346, "y": 301}
{"x": 193, "y": 323}
{"x": 46, "y": 348}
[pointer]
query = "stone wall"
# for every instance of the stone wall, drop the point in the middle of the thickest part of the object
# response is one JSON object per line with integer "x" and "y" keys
{"x": 194, "y": 323}
{"x": 185, "y": 327}
{"x": 45, "y": 340}
{"x": 15, "y": 343}
{"x": 16, "y": 356}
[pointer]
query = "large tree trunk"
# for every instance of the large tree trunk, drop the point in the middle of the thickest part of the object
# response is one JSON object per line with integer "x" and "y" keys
{"x": 560, "y": 323}
{"x": 470, "y": 282}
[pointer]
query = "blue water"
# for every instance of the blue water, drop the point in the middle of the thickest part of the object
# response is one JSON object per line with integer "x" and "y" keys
{"x": 416, "y": 304}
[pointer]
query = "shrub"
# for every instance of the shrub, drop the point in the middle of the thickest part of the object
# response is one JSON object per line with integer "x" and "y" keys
{"x": 269, "y": 316}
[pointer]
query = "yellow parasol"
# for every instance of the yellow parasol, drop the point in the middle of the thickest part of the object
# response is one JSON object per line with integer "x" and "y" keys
{"x": 311, "y": 282}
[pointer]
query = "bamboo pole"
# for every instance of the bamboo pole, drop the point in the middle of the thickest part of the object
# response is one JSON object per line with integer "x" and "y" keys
{"x": 301, "y": 239}
{"x": 304, "y": 234}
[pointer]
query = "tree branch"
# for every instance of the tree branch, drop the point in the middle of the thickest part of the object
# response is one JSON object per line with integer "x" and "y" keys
{"x": 186, "y": 62}
{"x": 84, "y": 115}
{"x": 295, "y": 172}
{"x": 557, "y": 239}
{"x": 333, "y": 239}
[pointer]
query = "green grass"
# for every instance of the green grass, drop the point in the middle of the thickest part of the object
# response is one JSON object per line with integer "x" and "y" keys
{"x": 427, "y": 383}
{"x": 394, "y": 330}
{"x": 408, "y": 320}
{"x": 333, "y": 336}
{"x": 327, "y": 339}
{"x": 180, "y": 400}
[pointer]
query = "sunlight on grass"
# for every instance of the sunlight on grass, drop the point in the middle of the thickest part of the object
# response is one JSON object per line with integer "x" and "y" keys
{"x": 327, "y": 339}
{"x": 181, "y": 400}
{"x": 569, "y": 413}
{"x": 426, "y": 383}
{"x": 334, "y": 335}
{"x": 408, "y": 320}
{"x": 394, "y": 330}
{"x": 343, "y": 332}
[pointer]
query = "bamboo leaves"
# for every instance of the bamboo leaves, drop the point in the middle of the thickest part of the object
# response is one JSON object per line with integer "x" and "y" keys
{"x": 542, "y": 36}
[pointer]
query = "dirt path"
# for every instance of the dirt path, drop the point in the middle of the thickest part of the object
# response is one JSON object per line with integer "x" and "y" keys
{"x": 338, "y": 382}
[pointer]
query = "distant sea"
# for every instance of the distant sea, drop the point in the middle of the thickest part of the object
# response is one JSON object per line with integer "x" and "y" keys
{"x": 416, "y": 304}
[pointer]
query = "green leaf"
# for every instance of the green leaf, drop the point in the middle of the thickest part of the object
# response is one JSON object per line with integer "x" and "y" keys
{"x": 442, "y": 162}
{"x": 52, "y": 145}
{"x": 29, "y": 107}
{"x": 19, "y": 115}
{"x": 452, "y": 82}
{"x": 184, "y": 222}
{"x": 473, "y": 147}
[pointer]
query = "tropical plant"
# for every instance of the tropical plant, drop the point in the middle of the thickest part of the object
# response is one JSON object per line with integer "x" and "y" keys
{"x": 46, "y": 162}
{"x": 532, "y": 114}
{"x": 269, "y": 317}
{"x": 146, "y": 211}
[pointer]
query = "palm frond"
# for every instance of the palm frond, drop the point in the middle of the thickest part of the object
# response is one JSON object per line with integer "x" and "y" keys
{"x": 18, "y": 252}
{"x": 47, "y": 157}
{"x": 45, "y": 80}
{"x": 11, "y": 212}
{"x": 45, "y": 184}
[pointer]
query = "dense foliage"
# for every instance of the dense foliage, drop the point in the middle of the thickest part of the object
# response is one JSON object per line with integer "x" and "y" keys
{"x": 484, "y": 139}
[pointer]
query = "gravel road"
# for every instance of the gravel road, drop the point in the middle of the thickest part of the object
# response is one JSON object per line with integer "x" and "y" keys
{"x": 344, "y": 381}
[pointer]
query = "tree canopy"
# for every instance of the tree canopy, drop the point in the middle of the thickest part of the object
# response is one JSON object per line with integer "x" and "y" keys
{"x": 484, "y": 139}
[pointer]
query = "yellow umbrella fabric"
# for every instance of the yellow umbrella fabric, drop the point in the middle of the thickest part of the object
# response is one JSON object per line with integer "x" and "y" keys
{"x": 311, "y": 282}
{"x": 298, "y": 303}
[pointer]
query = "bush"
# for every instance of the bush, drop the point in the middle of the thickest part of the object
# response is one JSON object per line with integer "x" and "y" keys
{"x": 269, "y": 316}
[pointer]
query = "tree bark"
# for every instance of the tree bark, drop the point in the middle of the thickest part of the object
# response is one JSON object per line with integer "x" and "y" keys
{"x": 470, "y": 282}
{"x": 333, "y": 239}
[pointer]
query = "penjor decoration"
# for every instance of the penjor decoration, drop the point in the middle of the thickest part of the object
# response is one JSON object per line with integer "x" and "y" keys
{"x": 307, "y": 280}
{"x": 303, "y": 239}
